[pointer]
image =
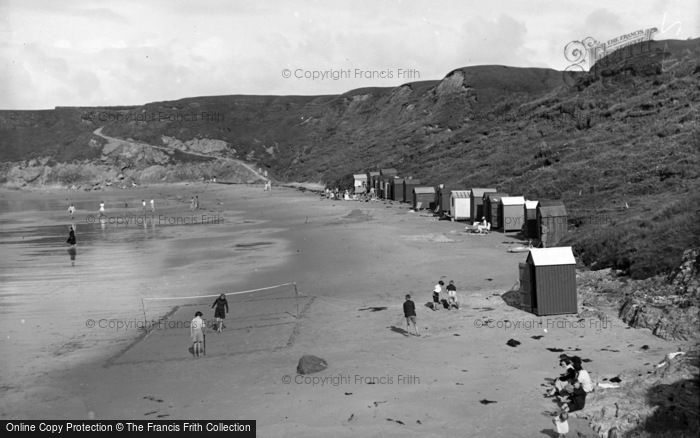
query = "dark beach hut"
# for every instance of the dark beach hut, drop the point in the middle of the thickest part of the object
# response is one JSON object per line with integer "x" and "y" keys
{"x": 548, "y": 281}
{"x": 397, "y": 189}
{"x": 512, "y": 213}
{"x": 477, "y": 203}
{"x": 373, "y": 181}
{"x": 389, "y": 187}
{"x": 424, "y": 197}
{"x": 551, "y": 222}
{"x": 408, "y": 185}
{"x": 385, "y": 177}
{"x": 530, "y": 211}
{"x": 492, "y": 208}
{"x": 444, "y": 195}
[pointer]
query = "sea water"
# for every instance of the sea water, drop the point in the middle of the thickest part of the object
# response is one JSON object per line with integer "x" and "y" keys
{"x": 62, "y": 305}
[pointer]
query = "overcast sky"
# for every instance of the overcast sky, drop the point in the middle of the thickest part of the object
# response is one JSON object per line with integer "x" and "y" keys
{"x": 83, "y": 53}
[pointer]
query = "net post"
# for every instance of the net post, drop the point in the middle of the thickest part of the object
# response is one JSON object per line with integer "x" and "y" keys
{"x": 296, "y": 297}
{"x": 143, "y": 308}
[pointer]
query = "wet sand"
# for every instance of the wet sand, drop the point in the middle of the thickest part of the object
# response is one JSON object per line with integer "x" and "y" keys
{"x": 346, "y": 258}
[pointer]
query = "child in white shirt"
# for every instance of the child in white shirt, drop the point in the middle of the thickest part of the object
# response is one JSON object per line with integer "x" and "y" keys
{"x": 561, "y": 424}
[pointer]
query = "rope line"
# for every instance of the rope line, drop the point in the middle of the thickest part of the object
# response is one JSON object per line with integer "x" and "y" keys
{"x": 216, "y": 295}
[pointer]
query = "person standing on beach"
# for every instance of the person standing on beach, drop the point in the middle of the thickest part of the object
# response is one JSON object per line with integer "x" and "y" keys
{"x": 71, "y": 236}
{"x": 71, "y": 210}
{"x": 196, "y": 202}
{"x": 102, "y": 208}
{"x": 437, "y": 291}
{"x": 197, "y": 334}
{"x": 561, "y": 424}
{"x": 452, "y": 295}
{"x": 220, "y": 312}
{"x": 153, "y": 206}
{"x": 409, "y": 311}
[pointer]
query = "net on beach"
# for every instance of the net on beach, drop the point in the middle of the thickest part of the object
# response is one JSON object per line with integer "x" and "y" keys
{"x": 246, "y": 308}
{"x": 258, "y": 320}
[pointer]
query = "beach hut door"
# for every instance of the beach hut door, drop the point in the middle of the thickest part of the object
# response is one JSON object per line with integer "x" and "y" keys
{"x": 525, "y": 287}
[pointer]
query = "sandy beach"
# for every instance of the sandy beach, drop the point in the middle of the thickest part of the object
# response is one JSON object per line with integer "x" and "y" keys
{"x": 352, "y": 263}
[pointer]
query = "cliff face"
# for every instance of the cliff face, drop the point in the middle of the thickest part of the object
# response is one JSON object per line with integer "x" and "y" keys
{"x": 671, "y": 310}
{"x": 620, "y": 149}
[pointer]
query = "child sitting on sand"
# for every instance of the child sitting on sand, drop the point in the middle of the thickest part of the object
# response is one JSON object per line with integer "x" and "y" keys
{"x": 566, "y": 378}
{"x": 573, "y": 398}
{"x": 561, "y": 424}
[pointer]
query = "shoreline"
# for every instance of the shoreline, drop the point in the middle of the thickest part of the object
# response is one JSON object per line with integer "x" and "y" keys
{"x": 355, "y": 257}
{"x": 98, "y": 344}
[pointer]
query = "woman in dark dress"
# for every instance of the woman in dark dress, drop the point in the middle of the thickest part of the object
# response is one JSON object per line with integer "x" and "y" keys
{"x": 220, "y": 312}
{"x": 71, "y": 235}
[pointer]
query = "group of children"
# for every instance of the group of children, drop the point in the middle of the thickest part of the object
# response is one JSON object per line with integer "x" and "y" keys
{"x": 153, "y": 205}
{"x": 409, "y": 307}
{"x": 102, "y": 211}
{"x": 335, "y": 194}
{"x": 439, "y": 300}
{"x": 571, "y": 388}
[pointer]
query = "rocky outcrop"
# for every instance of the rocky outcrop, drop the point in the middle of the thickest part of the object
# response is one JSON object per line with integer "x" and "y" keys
{"x": 93, "y": 176}
{"x": 662, "y": 403}
{"x": 667, "y": 321}
{"x": 669, "y": 306}
{"x": 671, "y": 310}
{"x": 686, "y": 278}
{"x": 199, "y": 145}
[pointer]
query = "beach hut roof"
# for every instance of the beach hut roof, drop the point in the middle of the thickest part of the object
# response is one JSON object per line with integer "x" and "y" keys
{"x": 531, "y": 205}
{"x": 478, "y": 193}
{"x": 360, "y": 176}
{"x": 552, "y": 208}
{"x": 373, "y": 173}
{"x": 423, "y": 190}
{"x": 389, "y": 171}
{"x": 494, "y": 196}
{"x": 461, "y": 193}
{"x": 562, "y": 255}
{"x": 512, "y": 200}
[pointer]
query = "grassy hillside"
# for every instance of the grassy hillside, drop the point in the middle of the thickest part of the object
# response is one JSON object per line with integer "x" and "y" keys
{"x": 620, "y": 146}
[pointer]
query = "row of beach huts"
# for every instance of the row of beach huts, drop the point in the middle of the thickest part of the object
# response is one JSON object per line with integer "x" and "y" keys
{"x": 544, "y": 220}
{"x": 548, "y": 276}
